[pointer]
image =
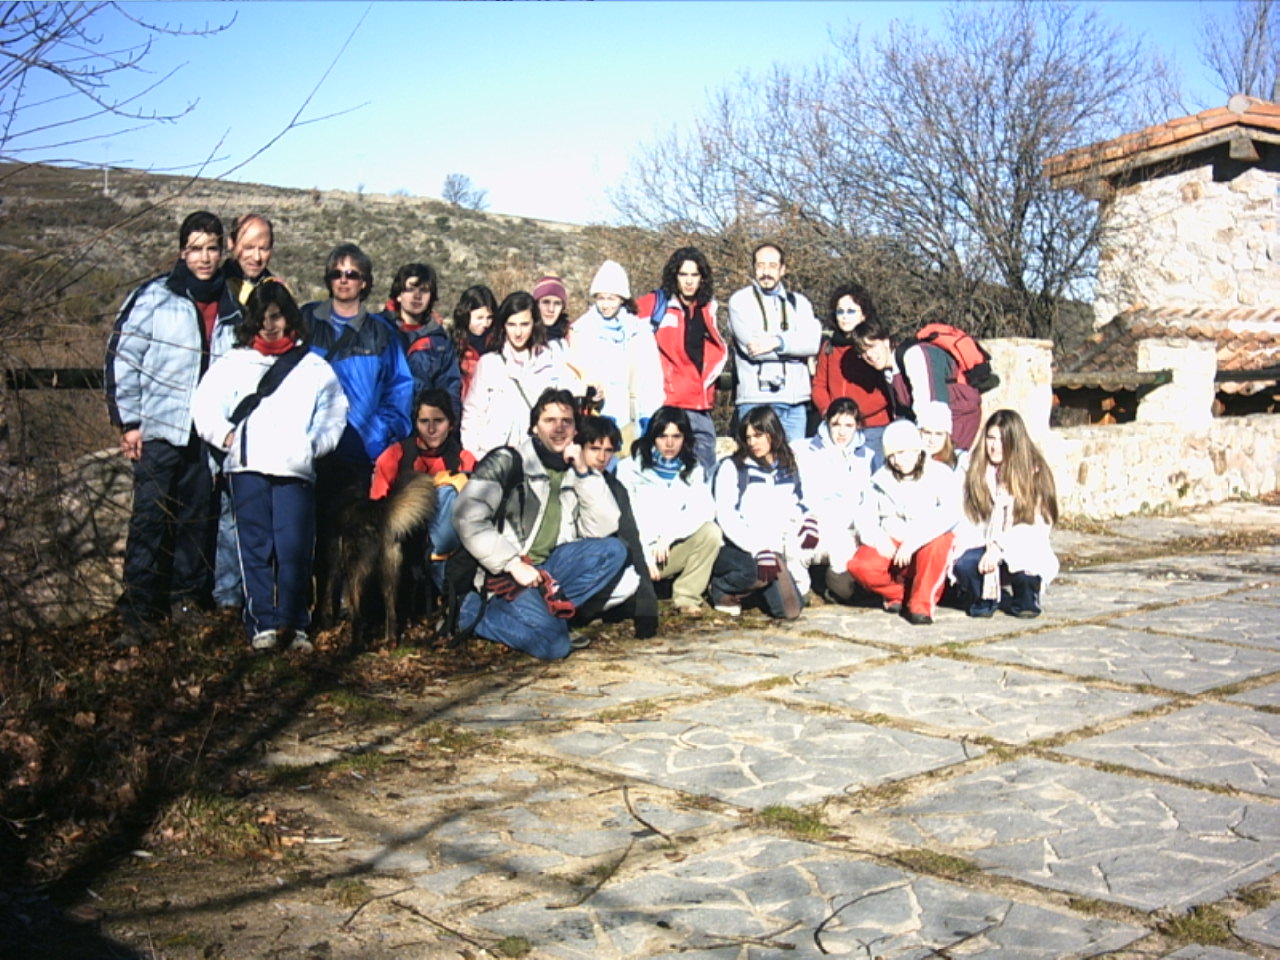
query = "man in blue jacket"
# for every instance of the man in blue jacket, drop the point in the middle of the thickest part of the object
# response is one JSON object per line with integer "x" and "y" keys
{"x": 164, "y": 338}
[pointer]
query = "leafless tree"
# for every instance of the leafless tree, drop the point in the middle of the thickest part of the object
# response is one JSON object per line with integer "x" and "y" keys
{"x": 459, "y": 191}
{"x": 1241, "y": 45}
{"x": 917, "y": 159}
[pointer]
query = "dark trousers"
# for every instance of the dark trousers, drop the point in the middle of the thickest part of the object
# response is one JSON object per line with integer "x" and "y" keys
{"x": 1025, "y": 587}
{"x": 276, "y": 523}
{"x": 168, "y": 554}
{"x": 734, "y": 575}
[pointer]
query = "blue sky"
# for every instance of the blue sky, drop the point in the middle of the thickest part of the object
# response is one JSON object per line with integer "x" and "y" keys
{"x": 539, "y": 103}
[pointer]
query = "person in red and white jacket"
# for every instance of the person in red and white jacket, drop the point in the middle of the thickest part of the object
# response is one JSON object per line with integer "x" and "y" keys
{"x": 690, "y": 348}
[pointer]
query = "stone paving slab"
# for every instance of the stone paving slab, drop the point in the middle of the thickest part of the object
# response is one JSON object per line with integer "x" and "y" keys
{"x": 754, "y": 752}
{"x": 1208, "y": 743}
{"x": 1153, "y": 584}
{"x": 800, "y": 901}
{"x": 1261, "y": 926}
{"x": 1119, "y": 838}
{"x": 734, "y": 659}
{"x": 553, "y": 701}
{"x": 1006, "y": 703}
{"x": 1233, "y": 621}
{"x": 1198, "y": 952}
{"x": 1268, "y": 594}
{"x": 876, "y": 626}
{"x": 1131, "y": 656}
{"x": 1264, "y": 696}
{"x": 520, "y": 840}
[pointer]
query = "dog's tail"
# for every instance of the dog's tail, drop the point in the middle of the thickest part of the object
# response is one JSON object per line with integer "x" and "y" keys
{"x": 411, "y": 506}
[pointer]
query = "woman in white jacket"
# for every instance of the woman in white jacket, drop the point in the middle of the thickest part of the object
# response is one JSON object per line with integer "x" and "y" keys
{"x": 835, "y": 468}
{"x": 673, "y": 508}
{"x": 769, "y": 533}
{"x": 613, "y": 351}
{"x": 270, "y": 458}
{"x": 906, "y": 530}
{"x": 1010, "y": 497}
{"x": 510, "y": 378}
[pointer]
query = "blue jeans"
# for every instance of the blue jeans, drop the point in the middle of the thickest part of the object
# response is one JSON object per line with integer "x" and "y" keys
{"x": 228, "y": 590}
{"x": 582, "y": 568}
{"x": 1025, "y": 588}
{"x": 794, "y": 416}
{"x": 167, "y": 556}
{"x": 276, "y": 519}
{"x": 873, "y": 437}
{"x": 444, "y": 538}
{"x": 704, "y": 440}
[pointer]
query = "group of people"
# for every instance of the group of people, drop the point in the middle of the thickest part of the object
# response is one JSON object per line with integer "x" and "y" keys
{"x": 251, "y": 420}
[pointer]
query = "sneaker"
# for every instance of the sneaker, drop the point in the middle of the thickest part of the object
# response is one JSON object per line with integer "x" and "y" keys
{"x": 578, "y": 641}
{"x": 300, "y": 643}
{"x": 1025, "y": 613}
{"x": 918, "y": 619}
{"x": 691, "y": 611}
{"x": 892, "y": 607}
{"x": 728, "y": 608}
{"x": 264, "y": 640}
{"x": 792, "y": 602}
{"x": 984, "y": 608}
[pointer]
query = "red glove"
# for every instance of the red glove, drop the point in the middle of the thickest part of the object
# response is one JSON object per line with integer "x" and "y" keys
{"x": 557, "y": 603}
{"x": 808, "y": 533}
{"x": 502, "y": 585}
{"x": 767, "y": 566}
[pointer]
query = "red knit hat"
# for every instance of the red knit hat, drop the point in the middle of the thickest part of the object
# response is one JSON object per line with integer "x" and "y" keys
{"x": 550, "y": 286}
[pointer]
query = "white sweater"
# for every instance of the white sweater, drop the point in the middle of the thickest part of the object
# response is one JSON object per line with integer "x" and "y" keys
{"x": 504, "y": 389}
{"x": 666, "y": 511}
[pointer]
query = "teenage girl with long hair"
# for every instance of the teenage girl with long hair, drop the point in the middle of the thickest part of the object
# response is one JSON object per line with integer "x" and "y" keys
{"x": 1010, "y": 496}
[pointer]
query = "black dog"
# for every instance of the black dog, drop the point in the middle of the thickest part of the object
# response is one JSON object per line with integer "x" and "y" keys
{"x": 371, "y": 539}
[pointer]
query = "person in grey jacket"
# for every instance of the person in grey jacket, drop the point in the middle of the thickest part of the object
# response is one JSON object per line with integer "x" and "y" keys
{"x": 540, "y": 524}
{"x": 164, "y": 338}
{"x": 774, "y": 335}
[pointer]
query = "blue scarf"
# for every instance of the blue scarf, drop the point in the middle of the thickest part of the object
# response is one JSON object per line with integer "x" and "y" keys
{"x": 668, "y": 470}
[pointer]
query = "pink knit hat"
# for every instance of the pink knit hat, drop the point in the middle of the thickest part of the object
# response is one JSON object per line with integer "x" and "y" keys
{"x": 550, "y": 286}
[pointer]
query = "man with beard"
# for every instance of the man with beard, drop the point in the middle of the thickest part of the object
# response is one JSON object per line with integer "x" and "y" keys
{"x": 541, "y": 525}
{"x": 774, "y": 333}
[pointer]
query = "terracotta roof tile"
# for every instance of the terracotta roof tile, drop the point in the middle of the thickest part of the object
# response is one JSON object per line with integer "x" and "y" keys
{"x": 1246, "y": 339}
{"x": 1248, "y": 112}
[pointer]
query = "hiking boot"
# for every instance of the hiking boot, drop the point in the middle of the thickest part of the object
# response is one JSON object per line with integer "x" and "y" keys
{"x": 984, "y": 608}
{"x": 892, "y": 606}
{"x": 578, "y": 641}
{"x": 264, "y": 640}
{"x": 134, "y": 635}
{"x": 918, "y": 619}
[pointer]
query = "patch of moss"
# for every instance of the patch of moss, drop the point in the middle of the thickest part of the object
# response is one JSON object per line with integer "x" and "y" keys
{"x": 937, "y": 864}
{"x": 800, "y": 823}
{"x": 1203, "y": 924}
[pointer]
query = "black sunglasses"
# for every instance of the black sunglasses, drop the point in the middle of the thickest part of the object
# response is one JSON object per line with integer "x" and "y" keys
{"x": 344, "y": 275}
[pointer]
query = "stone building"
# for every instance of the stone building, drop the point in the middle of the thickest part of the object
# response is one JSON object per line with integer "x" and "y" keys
{"x": 1190, "y": 251}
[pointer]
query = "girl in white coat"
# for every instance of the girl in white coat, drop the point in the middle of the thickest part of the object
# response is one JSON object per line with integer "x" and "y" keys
{"x": 613, "y": 351}
{"x": 673, "y": 508}
{"x": 1010, "y": 496}
{"x": 906, "y": 534}
{"x": 769, "y": 533}
{"x": 270, "y": 458}
{"x": 509, "y": 379}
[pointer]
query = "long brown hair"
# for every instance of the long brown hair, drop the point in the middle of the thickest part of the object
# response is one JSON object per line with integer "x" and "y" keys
{"x": 1024, "y": 472}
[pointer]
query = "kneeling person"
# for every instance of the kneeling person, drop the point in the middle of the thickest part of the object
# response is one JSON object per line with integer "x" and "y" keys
{"x": 541, "y": 525}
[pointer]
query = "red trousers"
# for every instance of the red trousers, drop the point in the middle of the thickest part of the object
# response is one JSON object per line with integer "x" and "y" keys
{"x": 919, "y": 584}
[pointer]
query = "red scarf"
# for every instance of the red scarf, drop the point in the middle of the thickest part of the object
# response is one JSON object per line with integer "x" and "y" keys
{"x": 273, "y": 348}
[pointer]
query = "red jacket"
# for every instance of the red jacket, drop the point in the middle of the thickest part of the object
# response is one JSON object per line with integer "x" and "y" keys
{"x": 684, "y": 385}
{"x": 386, "y": 469}
{"x": 842, "y": 372}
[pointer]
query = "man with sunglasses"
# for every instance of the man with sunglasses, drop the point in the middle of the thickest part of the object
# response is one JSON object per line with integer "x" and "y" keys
{"x": 368, "y": 357}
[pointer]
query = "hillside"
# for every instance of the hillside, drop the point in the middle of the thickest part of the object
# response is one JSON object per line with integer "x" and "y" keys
{"x": 69, "y": 255}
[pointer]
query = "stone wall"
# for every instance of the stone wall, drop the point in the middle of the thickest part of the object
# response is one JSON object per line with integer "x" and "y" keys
{"x": 1181, "y": 238}
{"x": 1112, "y": 471}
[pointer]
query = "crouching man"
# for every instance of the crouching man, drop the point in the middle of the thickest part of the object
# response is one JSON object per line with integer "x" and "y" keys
{"x": 541, "y": 525}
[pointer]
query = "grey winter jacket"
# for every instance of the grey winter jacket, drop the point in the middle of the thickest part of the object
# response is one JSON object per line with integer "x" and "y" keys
{"x": 587, "y": 508}
{"x": 156, "y": 357}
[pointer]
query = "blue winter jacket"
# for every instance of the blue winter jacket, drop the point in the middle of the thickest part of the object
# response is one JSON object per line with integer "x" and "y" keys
{"x": 157, "y": 354}
{"x": 433, "y": 361}
{"x": 368, "y": 357}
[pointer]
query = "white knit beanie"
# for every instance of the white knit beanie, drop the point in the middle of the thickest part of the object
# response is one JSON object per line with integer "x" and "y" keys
{"x": 901, "y": 436}
{"x": 934, "y": 415}
{"x": 611, "y": 278}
